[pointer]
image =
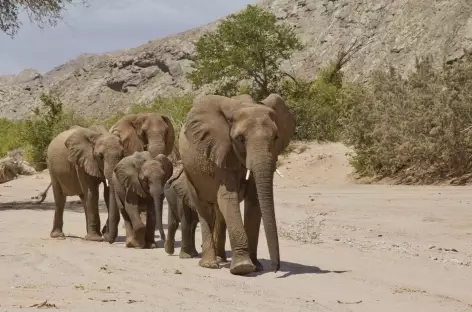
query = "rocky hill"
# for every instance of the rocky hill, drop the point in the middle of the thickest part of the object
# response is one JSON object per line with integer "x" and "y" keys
{"x": 392, "y": 32}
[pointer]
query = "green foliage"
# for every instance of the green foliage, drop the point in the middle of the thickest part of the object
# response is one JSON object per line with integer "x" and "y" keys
{"x": 40, "y": 12}
{"x": 415, "y": 129}
{"x": 318, "y": 105}
{"x": 10, "y": 137}
{"x": 47, "y": 121}
{"x": 246, "y": 46}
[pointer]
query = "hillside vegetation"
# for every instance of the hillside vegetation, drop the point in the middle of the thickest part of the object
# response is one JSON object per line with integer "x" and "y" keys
{"x": 415, "y": 128}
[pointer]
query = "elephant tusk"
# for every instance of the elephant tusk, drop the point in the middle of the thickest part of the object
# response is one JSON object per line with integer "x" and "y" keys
{"x": 247, "y": 174}
{"x": 278, "y": 172}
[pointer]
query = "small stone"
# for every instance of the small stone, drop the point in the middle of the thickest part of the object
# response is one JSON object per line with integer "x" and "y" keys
{"x": 434, "y": 258}
{"x": 336, "y": 239}
{"x": 431, "y": 247}
{"x": 177, "y": 272}
{"x": 456, "y": 261}
{"x": 380, "y": 235}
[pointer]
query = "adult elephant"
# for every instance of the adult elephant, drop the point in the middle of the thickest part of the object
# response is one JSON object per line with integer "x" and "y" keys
{"x": 79, "y": 159}
{"x": 151, "y": 132}
{"x": 223, "y": 141}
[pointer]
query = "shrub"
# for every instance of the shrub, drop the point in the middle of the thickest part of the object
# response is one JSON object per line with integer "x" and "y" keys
{"x": 47, "y": 121}
{"x": 11, "y": 135}
{"x": 318, "y": 105}
{"x": 415, "y": 129}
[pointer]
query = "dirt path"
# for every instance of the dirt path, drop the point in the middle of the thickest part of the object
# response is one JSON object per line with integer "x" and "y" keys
{"x": 344, "y": 247}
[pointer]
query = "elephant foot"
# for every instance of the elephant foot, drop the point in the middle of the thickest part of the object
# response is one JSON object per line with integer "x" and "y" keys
{"x": 150, "y": 245}
{"x": 57, "y": 233}
{"x": 132, "y": 242}
{"x": 169, "y": 247}
{"x": 94, "y": 237}
{"x": 241, "y": 266}
{"x": 258, "y": 265}
{"x": 105, "y": 229}
{"x": 209, "y": 264}
{"x": 107, "y": 238}
{"x": 187, "y": 255}
{"x": 221, "y": 259}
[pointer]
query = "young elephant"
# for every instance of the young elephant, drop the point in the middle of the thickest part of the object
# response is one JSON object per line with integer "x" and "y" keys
{"x": 181, "y": 210}
{"x": 138, "y": 182}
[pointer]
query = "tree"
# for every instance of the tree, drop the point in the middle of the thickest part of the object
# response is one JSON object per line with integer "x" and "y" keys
{"x": 40, "y": 12}
{"x": 250, "y": 46}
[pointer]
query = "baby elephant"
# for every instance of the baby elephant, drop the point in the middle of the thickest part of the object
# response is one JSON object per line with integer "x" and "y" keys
{"x": 138, "y": 184}
{"x": 181, "y": 210}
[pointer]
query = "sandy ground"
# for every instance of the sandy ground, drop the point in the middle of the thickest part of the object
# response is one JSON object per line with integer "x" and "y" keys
{"x": 344, "y": 247}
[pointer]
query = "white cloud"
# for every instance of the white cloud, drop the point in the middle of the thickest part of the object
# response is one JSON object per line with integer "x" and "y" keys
{"x": 107, "y": 25}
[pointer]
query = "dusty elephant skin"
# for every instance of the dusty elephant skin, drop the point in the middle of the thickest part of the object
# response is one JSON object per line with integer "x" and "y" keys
{"x": 138, "y": 182}
{"x": 222, "y": 141}
{"x": 79, "y": 159}
{"x": 151, "y": 132}
{"x": 181, "y": 210}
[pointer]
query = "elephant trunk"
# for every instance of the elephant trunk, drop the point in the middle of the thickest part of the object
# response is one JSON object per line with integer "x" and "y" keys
{"x": 158, "y": 197}
{"x": 262, "y": 167}
{"x": 156, "y": 144}
{"x": 113, "y": 213}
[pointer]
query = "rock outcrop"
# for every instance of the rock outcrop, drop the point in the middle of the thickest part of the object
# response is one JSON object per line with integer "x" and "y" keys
{"x": 391, "y": 33}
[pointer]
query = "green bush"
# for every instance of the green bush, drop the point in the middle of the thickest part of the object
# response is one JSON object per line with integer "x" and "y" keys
{"x": 10, "y": 137}
{"x": 415, "y": 129}
{"x": 318, "y": 105}
{"x": 47, "y": 121}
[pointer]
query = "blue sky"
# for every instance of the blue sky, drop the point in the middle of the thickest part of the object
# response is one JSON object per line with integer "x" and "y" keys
{"x": 107, "y": 25}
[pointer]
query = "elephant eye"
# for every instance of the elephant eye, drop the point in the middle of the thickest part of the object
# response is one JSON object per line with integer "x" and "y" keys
{"x": 240, "y": 138}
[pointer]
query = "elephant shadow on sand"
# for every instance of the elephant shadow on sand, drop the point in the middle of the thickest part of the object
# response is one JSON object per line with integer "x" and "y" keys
{"x": 289, "y": 269}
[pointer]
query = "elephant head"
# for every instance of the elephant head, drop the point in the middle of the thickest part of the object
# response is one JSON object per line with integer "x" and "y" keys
{"x": 151, "y": 132}
{"x": 141, "y": 175}
{"x": 95, "y": 150}
{"x": 236, "y": 132}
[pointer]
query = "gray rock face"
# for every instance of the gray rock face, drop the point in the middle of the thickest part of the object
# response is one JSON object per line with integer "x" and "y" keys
{"x": 392, "y": 33}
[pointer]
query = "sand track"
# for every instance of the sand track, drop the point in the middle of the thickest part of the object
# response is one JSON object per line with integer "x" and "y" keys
{"x": 344, "y": 247}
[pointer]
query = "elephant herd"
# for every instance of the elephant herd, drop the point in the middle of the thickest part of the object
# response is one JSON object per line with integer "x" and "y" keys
{"x": 228, "y": 147}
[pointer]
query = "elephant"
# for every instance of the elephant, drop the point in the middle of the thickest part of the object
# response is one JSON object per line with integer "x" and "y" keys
{"x": 229, "y": 148}
{"x": 181, "y": 210}
{"x": 138, "y": 182}
{"x": 79, "y": 159}
{"x": 151, "y": 132}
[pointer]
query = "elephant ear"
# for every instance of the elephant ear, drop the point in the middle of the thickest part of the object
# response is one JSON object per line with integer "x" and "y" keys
{"x": 80, "y": 145}
{"x": 284, "y": 120}
{"x": 127, "y": 172}
{"x": 170, "y": 135}
{"x": 167, "y": 166}
{"x": 125, "y": 130}
{"x": 208, "y": 128}
{"x": 180, "y": 187}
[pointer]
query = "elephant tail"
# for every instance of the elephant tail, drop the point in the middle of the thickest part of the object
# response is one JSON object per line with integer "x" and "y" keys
{"x": 41, "y": 196}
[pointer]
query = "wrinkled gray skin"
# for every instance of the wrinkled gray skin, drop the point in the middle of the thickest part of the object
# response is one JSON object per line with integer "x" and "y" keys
{"x": 181, "y": 210}
{"x": 138, "y": 182}
{"x": 79, "y": 159}
{"x": 221, "y": 140}
{"x": 151, "y": 132}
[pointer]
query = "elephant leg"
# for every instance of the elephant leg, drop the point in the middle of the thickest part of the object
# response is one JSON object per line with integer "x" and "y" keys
{"x": 206, "y": 217}
{"x": 150, "y": 226}
{"x": 139, "y": 230}
{"x": 228, "y": 203}
{"x": 194, "y": 228}
{"x": 93, "y": 218}
{"x": 172, "y": 226}
{"x": 60, "y": 201}
{"x": 106, "y": 198}
{"x": 186, "y": 251}
{"x": 219, "y": 236}
{"x": 82, "y": 199}
{"x": 252, "y": 223}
